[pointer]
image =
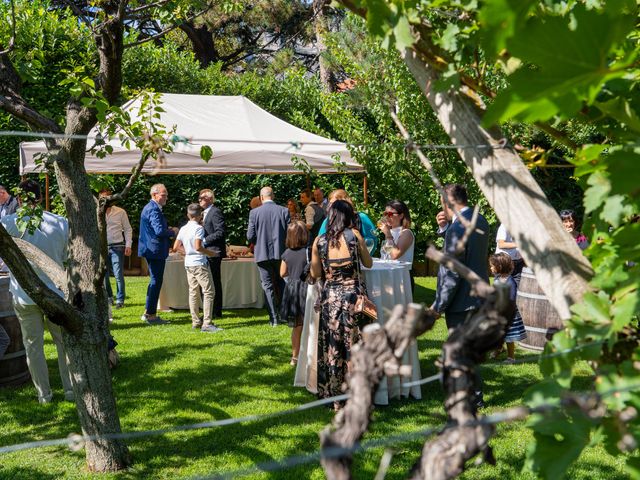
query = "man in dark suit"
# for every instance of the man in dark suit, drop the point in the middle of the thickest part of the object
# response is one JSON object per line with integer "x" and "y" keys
{"x": 214, "y": 240}
{"x": 453, "y": 293}
{"x": 153, "y": 245}
{"x": 268, "y": 232}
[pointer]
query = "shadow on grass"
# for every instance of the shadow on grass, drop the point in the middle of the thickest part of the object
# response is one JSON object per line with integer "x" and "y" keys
{"x": 16, "y": 473}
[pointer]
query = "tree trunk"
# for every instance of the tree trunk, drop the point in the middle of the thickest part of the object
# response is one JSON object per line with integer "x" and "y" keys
{"x": 560, "y": 267}
{"x": 87, "y": 352}
{"x": 321, "y": 28}
{"x": 202, "y": 43}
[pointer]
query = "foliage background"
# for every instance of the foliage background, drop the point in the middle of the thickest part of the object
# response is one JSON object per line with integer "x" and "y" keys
{"x": 49, "y": 44}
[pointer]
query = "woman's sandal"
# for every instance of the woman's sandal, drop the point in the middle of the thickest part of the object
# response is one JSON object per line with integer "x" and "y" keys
{"x": 293, "y": 362}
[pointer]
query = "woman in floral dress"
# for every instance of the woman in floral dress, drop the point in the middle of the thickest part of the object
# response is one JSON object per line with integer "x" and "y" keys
{"x": 334, "y": 258}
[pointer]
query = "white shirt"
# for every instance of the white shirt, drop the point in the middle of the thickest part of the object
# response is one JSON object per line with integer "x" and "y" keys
{"x": 506, "y": 236}
{"x": 52, "y": 237}
{"x": 205, "y": 212}
{"x": 407, "y": 256}
{"x": 118, "y": 227}
{"x": 187, "y": 235}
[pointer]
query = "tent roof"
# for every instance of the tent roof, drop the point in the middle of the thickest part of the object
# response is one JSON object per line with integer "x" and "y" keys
{"x": 244, "y": 139}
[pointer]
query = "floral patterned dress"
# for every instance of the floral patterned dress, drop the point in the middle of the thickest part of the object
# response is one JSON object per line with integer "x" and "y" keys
{"x": 338, "y": 327}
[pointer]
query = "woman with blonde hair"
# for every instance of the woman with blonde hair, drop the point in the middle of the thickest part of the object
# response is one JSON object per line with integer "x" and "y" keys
{"x": 362, "y": 221}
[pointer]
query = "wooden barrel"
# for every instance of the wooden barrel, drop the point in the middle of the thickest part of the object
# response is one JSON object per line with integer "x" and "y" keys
{"x": 540, "y": 319}
{"x": 13, "y": 366}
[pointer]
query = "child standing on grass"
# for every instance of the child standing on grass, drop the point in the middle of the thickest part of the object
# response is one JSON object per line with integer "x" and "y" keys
{"x": 501, "y": 267}
{"x": 190, "y": 242}
{"x": 294, "y": 261}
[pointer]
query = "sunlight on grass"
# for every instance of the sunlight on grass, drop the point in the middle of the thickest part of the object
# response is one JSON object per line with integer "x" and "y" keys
{"x": 170, "y": 375}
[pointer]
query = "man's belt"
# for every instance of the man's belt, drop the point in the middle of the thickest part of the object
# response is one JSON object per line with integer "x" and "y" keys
{"x": 121, "y": 244}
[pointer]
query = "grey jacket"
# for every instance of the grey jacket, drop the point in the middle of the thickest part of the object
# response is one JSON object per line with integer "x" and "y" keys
{"x": 268, "y": 231}
{"x": 453, "y": 293}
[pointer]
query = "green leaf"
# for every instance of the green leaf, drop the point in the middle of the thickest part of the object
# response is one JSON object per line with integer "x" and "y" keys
{"x": 402, "y": 32}
{"x": 567, "y": 62}
{"x": 206, "y": 153}
{"x": 379, "y": 15}
{"x": 501, "y": 19}
{"x": 548, "y": 391}
{"x": 598, "y": 191}
{"x": 622, "y": 110}
{"x": 448, "y": 41}
{"x": 615, "y": 209}
{"x": 624, "y": 168}
{"x": 624, "y": 310}
{"x": 559, "y": 439}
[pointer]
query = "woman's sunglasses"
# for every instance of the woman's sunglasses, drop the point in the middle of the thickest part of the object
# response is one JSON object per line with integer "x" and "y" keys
{"x": 390, "y": 214}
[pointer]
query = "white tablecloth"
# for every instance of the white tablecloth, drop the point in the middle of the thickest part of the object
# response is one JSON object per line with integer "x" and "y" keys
{"x": 240, "y": 285}
{"x": 388, "y": 284}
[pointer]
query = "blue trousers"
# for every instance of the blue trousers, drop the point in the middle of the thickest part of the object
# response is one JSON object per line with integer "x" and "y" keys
{"x": 273, "y": 286}
{"x": 156, "y": 275}
{"x": 115, "y": 263}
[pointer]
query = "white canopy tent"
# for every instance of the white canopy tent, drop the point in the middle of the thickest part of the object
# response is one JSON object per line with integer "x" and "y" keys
{"x": 244, "y": 139}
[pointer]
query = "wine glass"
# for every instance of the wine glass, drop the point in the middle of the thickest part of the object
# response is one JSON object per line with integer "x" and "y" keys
{"x": 370, "y": 244}
{"x": 385, "y": 250}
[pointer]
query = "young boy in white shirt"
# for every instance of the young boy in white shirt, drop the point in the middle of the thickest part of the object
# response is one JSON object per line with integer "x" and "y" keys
{"x": 190, "y": 241}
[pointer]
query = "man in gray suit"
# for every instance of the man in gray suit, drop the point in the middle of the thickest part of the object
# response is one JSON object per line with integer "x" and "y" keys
{"x": 268, "y": 232}
{"x": 453, "y": 293}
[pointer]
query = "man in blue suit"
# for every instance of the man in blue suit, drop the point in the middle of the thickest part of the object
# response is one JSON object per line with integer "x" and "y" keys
{"x": 268, "y": 232}
{"x": 153, "y": 245}
{"x": 453, "y": 293}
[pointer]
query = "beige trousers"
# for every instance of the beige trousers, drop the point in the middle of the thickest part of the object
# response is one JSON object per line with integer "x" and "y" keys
{"x": 32, "y": 323}
{"x": 199, "y": 278}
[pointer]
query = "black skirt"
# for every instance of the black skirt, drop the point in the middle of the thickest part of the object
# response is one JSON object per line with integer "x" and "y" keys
{"x": 293, "y": 303}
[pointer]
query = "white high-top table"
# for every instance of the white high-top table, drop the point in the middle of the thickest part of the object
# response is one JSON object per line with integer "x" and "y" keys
{"x": 388, "y": 284}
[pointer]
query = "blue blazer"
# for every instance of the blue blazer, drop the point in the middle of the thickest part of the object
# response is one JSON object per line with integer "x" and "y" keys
{"x": 268, "y": 231}
{"x": 153, "y": 243}
{"x": 453, "y": 293}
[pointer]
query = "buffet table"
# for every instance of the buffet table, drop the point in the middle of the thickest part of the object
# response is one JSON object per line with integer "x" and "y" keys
{"x": 241, "y": 286}
{"x": 388, "y": 284}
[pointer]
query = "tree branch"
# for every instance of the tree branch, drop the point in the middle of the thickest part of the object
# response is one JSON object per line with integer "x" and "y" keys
{"x": 59, "y": 311}
{"x": 380, "y": 353}
{"x": 470, "y": 227}
{"x": 165, "y": 31}
{"x": 80, "y": 14}
{"x": 147, "y": 7}
{"x": 12, "y": 102}
{"x": 479, "y": 288}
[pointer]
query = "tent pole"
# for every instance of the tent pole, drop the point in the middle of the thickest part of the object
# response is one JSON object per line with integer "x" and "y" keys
{"x": 365, "y": 187}
{"x": 308, "y": 182}
{"x": 46, "y": 192}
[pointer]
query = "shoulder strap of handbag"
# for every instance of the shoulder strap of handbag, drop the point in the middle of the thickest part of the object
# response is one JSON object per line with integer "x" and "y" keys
{"x": 358, "y": 268}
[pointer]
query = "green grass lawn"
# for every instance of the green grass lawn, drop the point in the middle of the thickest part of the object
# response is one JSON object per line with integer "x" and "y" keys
{"x": 170, "y": 375}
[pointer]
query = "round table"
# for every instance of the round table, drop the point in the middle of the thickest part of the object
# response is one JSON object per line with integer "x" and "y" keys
{"x": 388, "y": 284}
{"x": 241, "y": 286}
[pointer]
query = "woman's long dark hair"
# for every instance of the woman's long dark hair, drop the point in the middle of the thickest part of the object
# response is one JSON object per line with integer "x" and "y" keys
{"x": 341, "y": 216}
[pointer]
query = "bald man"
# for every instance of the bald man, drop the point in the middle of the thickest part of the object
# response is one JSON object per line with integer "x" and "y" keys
{"x": 268, "y": 232}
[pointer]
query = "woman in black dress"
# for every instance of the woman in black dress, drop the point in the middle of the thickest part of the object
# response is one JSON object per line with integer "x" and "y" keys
{"x": 335, "y": 256}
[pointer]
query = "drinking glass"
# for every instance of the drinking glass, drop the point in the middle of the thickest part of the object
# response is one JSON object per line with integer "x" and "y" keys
{"x": 385, "y": 250}
{"x": 370, "y": 244}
